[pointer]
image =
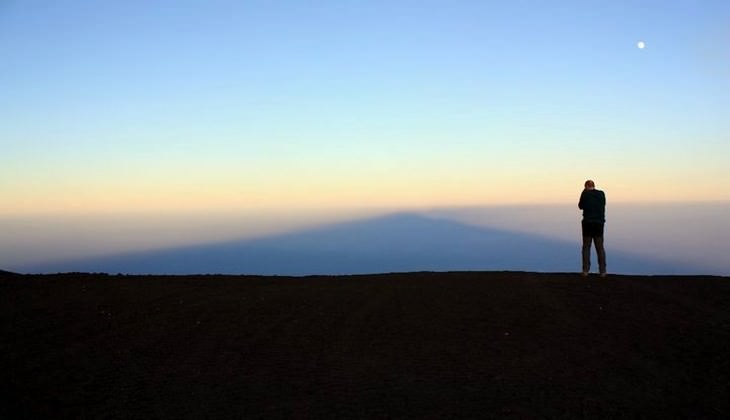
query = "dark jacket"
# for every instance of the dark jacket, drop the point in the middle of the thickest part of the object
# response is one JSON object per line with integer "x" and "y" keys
{"x": 593, "y": 204}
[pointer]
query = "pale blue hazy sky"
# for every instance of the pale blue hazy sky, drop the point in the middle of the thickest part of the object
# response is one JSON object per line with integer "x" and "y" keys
{"x": 169, "y": 105}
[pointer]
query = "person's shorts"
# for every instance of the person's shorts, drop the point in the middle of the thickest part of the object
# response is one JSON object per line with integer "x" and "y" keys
{"x": 592, "y": 229}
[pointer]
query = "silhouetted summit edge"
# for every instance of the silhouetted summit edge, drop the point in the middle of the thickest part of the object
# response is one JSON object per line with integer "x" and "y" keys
{"x": 8, "y": 273}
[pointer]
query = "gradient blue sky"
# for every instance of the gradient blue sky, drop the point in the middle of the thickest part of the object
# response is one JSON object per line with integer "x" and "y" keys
{"x": 211, "y": 105}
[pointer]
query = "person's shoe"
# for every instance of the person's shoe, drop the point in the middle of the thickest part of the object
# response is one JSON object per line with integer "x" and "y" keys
{"x": 584, "y": 274}
{"x": 604, "y": 274}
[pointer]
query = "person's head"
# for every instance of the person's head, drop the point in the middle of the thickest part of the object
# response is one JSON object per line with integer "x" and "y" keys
{"x": 589, "y": 185}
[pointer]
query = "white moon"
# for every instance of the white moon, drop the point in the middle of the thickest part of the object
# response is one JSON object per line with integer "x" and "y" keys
{"x": 641, "y": 45}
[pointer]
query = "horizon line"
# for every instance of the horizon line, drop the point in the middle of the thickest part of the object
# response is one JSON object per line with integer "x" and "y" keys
{"x": 336, "y": 208}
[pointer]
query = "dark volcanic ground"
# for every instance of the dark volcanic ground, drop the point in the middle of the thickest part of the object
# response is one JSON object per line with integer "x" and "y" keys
{"x": 468, "y": 344}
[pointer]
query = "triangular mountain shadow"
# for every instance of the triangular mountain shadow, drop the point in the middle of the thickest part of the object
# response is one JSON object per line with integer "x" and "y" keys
{"x": 392, "y": 243}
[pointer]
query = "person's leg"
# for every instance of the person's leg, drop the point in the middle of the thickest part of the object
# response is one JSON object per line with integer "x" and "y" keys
{"x": 586, "y": 254}
{"x": 601, "y": 254}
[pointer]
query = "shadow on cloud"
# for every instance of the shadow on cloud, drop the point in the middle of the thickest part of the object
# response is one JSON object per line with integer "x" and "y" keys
{"x": 392, "y": 243}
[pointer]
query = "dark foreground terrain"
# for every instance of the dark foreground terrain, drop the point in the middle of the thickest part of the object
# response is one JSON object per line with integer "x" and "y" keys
{"x": 416, "y": 345}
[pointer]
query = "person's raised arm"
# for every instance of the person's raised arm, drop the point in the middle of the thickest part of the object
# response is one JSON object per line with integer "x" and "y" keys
{"x": 580, "y": 202}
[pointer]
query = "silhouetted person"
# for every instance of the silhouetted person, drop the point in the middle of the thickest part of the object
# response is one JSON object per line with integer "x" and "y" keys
{"x": 593, "y": 204}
